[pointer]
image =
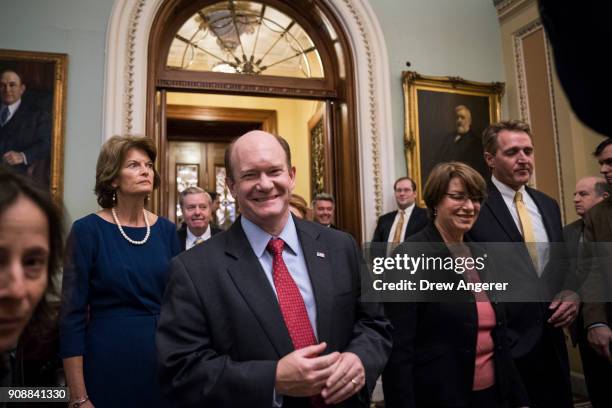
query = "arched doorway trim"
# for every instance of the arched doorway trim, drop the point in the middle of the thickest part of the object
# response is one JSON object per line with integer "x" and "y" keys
{"x": 126, "y": 89}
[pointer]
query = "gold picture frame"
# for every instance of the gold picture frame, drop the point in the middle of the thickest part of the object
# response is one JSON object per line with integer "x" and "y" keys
{"x": 44, "y": 77}
{"x": 430, "y": 128}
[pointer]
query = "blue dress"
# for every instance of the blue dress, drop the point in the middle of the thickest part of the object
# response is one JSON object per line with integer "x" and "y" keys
{"x": 111, "y": 298}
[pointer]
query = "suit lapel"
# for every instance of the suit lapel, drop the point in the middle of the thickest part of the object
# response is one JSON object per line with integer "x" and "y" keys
{"x": 17, "y": 117}
{"x": 500, "y": 211}
{"x": 412, "y": 221}
{"x": 250, "y": 280}
{"x": 389, "y": 224}
{"x": 316, "y": 256}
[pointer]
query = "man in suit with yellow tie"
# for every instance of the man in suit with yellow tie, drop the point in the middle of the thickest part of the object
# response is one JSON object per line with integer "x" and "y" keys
{"x": 407, "y": 220}
{"x": 514, "y": 212}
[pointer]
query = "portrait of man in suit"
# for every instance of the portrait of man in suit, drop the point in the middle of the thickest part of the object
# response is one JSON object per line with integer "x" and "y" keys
{"x": 515, "y": 212}
{"x": 407, "y": 220}
{"x": 196, "y": 206}
{"x": 450, "y": 126}
{"x": 465, "y": 144}
{"x": 25, "y": 130}
{"x": 268, "y": 314}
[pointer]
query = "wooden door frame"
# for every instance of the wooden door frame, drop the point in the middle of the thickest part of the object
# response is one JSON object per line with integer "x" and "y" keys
{"x": 267, "y": 118}
{"x": 337, "y": 87}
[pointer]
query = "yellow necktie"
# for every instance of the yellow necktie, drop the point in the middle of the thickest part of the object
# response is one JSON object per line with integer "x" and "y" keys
{"x": 527, "y": 227}
{"x": 198, "y": 241}
{"x": 397, "y": 236}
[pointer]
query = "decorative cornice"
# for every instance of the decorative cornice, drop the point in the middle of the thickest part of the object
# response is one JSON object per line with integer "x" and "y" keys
{"x": 261, "y": 89}
{"x": 506, "y": 8}
{"x": 374, "y": 136}
{"x": 130, "y": 71}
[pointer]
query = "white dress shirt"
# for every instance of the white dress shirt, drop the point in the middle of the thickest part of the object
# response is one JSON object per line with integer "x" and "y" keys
{"x": 407, "y": 214}
{"x": 190, "y": 240}
{"x": 537, "y": 221}
{"x": 12, "y": 109}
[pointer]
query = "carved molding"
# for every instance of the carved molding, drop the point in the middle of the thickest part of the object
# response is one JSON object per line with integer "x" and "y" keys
{"x": 208, "y": 86}
{"x": 132, "y": 42}
{"x": 523, "y": 88}
{"x": 519, "y": 63}
{"x": 374, "y": 137}
{"x": 507, "y": 8}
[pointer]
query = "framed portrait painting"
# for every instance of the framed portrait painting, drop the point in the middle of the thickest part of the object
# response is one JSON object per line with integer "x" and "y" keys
{"x": 444, "y": 121}
{"x": 32, "y": 116}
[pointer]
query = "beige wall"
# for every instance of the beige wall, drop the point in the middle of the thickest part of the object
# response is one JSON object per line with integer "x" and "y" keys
{"x": 292, "y": 117}
{"x": 572, "y": 141}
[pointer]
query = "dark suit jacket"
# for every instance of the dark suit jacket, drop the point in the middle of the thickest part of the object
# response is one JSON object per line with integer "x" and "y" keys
{"x": 28, "y": 131}
{"x": 571, "y": 235}
{"x": 527, "y": 320}
{"x": 468, "y": 149}
{"x": 221, "y": 332}
{"x": 418, "y": 220}
{"x": 434, "y": 346}
{"x": 598, "y": 285}
{"x": 182, "y": 234}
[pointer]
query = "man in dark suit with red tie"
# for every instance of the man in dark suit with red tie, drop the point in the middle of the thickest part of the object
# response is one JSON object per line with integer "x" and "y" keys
{"x": 407, "y": 220}
{"x": 268, "y": 314}
{"x": 514, "y": 212}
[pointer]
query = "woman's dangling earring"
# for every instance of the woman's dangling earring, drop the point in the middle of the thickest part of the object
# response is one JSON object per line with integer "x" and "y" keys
{"x": 435, "y": 212}
{"x": 114, "y": 198}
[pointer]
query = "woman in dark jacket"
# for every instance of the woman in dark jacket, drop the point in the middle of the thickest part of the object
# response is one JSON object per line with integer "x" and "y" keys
{"x": 449, "y": 347}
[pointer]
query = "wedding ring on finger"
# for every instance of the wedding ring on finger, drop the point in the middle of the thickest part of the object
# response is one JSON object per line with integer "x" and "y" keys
{"x": 355, "y": 382}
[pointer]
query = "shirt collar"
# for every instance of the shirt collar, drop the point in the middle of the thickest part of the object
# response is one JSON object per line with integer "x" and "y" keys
{"x": 507, "y": 192}
{"x": 191, "y": 237}
{"x": 258, "y": 238}
{"x": 408, "y": 209}
{"x": 12, "y": 107}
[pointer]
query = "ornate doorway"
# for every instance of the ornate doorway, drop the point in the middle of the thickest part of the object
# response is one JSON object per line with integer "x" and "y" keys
{"x": 293, "y": 49}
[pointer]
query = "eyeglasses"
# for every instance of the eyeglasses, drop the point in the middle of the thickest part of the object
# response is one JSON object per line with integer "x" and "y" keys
{"x": 462, "y": 198}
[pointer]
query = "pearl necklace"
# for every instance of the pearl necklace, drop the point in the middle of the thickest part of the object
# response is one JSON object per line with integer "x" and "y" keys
{"x": 128, "y": 239}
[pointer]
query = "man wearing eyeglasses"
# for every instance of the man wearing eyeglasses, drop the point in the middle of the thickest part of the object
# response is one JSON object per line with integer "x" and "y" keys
{"x": 407, "y": 220}
{"x": 514, "y": 212}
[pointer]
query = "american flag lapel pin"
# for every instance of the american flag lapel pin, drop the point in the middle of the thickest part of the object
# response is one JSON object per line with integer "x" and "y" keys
{"x": 320, "y": 254}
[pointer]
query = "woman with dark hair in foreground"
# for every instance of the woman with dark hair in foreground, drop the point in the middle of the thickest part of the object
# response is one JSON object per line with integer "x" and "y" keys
{"x": 31, "y": 241}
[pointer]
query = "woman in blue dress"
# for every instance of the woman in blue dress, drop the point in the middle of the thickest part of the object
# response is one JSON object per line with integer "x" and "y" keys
{"x": 114, "y": 279}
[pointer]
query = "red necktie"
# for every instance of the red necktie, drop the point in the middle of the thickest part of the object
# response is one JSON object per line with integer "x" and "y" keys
{"x": 292, "y": 305}
{"x": 290, "y": 299}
